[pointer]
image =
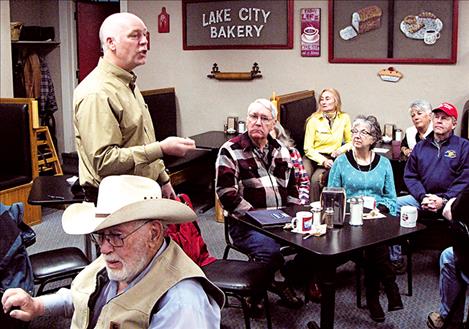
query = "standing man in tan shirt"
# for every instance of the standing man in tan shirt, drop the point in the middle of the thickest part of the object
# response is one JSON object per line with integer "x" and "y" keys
{"x": 113, "y": 129}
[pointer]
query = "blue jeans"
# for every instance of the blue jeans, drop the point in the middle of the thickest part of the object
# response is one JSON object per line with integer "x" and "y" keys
{"x": 395, "y": 252}
{"x": 452, "y": 281}
{"x": 257, "y": 245}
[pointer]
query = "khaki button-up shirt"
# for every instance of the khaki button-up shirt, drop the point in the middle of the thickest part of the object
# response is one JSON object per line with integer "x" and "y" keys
{"x": 114, "y": 133}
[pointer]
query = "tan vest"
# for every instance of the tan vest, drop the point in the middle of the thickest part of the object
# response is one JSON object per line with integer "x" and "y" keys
{"x": 133, "y": 308}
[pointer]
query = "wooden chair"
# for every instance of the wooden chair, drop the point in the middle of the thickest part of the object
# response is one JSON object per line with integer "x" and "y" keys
{"x": 19, "y": 166}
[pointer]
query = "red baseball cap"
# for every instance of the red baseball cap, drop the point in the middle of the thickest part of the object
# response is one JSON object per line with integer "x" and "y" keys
{"x": 449, "y": 109}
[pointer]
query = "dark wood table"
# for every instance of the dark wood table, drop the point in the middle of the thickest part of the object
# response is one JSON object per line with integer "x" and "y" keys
{"x": 53, "y": 190}
{"x": 335, "y": 244}
{"x": 211, "y": 140}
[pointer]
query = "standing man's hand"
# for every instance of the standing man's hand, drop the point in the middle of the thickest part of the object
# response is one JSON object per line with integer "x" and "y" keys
{"x": 25, "y": 307}
{"x": 167, "y": 191}
{"x": 177, "y": 146}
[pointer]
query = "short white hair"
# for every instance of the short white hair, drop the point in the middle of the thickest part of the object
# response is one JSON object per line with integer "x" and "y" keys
{"x": 266, "y": 104}
{"x": 422, "y": 105}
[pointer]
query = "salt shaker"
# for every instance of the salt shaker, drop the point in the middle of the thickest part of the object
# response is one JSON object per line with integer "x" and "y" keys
{"x": 316, "y": 216}
{"x": 356, "y": 211}
{"x": 328, "y": 217}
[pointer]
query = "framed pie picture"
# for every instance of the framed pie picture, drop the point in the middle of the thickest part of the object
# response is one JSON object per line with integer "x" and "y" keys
{"x": 241, "y": 24}
{"x": 393, "y": 31}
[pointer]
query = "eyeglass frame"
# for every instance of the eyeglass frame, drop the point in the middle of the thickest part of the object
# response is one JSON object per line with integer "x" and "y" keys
{"x": 361, "y": 133}
{"x": 108, "y": 236}
{"x": 256, "y": 117}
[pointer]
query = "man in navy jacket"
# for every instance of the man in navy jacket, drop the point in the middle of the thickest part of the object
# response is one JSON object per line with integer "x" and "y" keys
{"x": 436, "y": 171}
{"x": 438, "y": 168}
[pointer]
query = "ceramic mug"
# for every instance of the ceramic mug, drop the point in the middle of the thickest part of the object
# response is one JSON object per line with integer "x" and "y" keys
{"x": 302, "y": 222}
{"x": 408, "y": 216}
{"x": 431, "y": 36}
{"x": 310, "y": 33}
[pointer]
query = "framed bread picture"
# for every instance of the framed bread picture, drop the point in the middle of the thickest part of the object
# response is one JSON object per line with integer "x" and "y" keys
{"x": 393, "y": 31}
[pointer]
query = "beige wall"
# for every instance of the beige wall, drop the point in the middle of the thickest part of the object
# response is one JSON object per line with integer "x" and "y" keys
{"x": 205, "y": 103}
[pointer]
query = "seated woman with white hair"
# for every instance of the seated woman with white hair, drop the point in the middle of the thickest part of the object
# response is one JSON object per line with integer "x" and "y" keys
{"x": 421, "y": 115}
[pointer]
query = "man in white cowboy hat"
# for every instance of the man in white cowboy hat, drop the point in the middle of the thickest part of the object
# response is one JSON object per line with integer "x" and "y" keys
{"x": 141, "y": 279}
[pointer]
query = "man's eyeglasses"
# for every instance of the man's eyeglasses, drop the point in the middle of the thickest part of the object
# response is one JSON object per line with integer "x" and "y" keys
{"x": 255, "y": 117}
{"x": 115, "y": 240}
{"x": 362, "y": 133}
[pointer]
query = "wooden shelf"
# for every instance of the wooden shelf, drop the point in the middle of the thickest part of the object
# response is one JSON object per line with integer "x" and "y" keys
{"x": 44, "y": 47}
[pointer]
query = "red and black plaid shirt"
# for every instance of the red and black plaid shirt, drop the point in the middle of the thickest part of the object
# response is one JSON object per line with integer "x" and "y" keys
{"x": 246, "y": 179}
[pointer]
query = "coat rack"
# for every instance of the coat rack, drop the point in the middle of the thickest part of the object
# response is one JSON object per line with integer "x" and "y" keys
{"x": 216, "y": 74}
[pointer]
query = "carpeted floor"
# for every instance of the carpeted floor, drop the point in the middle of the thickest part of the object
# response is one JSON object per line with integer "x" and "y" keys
{"x": 347, "y": 315}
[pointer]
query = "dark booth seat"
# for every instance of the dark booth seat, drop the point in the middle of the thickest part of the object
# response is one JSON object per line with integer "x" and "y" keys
{"x": 294, "y": 109}
{"x": 16, "y": 169}
{"x": 19, "y": 154}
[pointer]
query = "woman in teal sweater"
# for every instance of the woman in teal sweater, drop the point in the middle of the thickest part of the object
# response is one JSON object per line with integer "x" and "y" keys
{"x": 364, "y": 173}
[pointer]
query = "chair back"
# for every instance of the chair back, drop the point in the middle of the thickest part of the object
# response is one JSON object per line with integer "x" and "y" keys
{"x": 293, "y": 110}
{"x": 162, "y": 107}
{"x": 15, "y": 141}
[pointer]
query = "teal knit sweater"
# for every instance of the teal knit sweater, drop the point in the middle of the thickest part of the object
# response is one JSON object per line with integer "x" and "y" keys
{"x": 378, "y": 182}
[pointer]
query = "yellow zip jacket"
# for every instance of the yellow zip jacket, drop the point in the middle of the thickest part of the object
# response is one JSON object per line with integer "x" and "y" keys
{"x": 320, "y": 138}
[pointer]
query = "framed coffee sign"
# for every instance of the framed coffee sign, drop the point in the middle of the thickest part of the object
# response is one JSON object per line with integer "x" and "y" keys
{"x": 240, "y": 24}
{"x": 393, "y": 31}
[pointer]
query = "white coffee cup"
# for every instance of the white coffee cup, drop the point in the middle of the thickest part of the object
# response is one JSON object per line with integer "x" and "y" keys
{"x": 302, "y": 222}
{"x": 431, "y": 36}
{"x": 409, "y": 216}
{"x": 310, "y": 33}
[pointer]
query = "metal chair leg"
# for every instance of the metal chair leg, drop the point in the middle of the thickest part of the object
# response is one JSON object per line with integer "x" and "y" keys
{"x": 226, "y": 252}
{"x": 267, "y": 311}
{"x": 244, "y": 306}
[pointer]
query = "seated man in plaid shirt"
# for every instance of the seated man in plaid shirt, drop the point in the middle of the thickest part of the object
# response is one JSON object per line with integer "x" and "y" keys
{"x": 254, "y": 170}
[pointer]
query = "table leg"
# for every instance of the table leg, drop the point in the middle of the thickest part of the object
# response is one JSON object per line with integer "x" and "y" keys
{"x": 328, "y": 295}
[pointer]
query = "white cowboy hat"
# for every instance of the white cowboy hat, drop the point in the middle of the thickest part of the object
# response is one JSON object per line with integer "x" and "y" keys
{"x": 124, "y": 199}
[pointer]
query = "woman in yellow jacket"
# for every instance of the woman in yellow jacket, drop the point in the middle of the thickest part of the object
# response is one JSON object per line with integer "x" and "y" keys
{"x": 327, "y": 136}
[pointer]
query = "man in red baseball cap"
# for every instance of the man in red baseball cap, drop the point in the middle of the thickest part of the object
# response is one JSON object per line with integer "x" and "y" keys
{"x": 448, "y": 108}
{"x": 438, "y": 168}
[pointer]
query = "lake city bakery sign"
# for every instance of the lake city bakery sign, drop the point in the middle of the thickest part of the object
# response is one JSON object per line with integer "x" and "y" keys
{"x": 239, "y": 24}
{"x": 234, "y": 24}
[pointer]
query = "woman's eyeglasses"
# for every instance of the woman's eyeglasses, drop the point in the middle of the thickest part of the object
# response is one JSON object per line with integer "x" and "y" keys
{"x": 361, "y": 133}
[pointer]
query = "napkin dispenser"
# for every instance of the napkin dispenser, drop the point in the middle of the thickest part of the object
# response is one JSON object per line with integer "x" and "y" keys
{"x": 335, "y": 198}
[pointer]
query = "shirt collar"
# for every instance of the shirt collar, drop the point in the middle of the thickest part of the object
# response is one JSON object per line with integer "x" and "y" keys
{"x": 128, "y": 78}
